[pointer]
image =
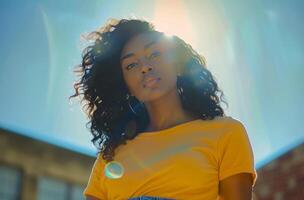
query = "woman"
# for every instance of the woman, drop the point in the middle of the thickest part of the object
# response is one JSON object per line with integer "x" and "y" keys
{"x": 153, "y": 105}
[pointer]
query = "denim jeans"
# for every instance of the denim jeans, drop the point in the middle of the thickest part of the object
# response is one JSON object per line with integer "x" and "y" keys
{"x": 149, "y": 198}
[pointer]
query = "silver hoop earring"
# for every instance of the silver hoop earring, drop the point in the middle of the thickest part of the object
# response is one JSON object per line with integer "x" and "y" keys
{"x": 131, "y": 108}
{"x": 136, "y": 107}
{"x": 178, "y": 84}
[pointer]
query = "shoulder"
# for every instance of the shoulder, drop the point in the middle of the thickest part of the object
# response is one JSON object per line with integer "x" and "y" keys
{"x": 233, "y": 131}
{"x": 234, "y": 124}
{"x": 227, "y": 119}
{"x": 224, "y": 126}
{"x": 99, "y": 161}
{"x": 226, "y": 123}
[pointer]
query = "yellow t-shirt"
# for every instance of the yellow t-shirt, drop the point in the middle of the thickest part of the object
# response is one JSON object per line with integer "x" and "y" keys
{"x": 186, "y": 161}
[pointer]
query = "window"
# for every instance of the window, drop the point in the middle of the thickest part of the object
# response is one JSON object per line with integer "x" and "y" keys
{"x": 50, "y": 188}
{"x": 76, "y": 193}
{"x": 10, "y": 181}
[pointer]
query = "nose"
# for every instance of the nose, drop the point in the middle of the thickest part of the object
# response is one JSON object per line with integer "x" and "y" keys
{"x": 145, "y": 66}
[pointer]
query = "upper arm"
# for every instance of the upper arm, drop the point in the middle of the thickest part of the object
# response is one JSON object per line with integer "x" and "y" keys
{"x": 235, "y": 153}
{"x": 236, "y": 187}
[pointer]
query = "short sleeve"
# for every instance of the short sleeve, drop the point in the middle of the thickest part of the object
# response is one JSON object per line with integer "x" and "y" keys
{"x": 235, "y": 153}
{"x": 96, "y": 184}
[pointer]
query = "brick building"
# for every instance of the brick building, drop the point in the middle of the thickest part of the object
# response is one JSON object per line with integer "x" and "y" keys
{"x": 282, "y": 178}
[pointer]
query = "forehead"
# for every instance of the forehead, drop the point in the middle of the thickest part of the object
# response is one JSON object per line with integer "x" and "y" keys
{"x": 139, "y": 42}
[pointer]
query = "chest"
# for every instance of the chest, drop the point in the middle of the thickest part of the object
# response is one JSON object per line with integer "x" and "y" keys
{"x": 150, "y": 167}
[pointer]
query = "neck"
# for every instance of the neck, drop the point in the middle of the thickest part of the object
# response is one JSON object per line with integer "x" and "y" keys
{"x": 166, "y": 112}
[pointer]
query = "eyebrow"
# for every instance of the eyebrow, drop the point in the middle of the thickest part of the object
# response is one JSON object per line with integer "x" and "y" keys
{"x": 132, "y": 54}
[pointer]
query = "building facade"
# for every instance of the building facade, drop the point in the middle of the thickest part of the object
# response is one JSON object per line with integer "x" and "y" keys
{"x": 35, "y": 170}
{"x": 282, "y": 178}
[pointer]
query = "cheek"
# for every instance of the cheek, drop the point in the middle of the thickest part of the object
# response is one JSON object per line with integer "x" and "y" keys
{"x": 170, "y": 79}
{"x": 132, "y": 81}
{"x": 168, "y": 72}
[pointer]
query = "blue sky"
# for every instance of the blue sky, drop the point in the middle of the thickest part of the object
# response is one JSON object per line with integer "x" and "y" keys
{"x": 254, "y": 49}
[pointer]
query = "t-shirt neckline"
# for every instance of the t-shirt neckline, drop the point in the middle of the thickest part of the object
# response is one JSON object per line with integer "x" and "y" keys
{"x": 170, "y": 129}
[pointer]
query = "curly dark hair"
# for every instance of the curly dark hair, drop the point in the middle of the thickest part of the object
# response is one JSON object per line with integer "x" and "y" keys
{"x": 102, "y": 87}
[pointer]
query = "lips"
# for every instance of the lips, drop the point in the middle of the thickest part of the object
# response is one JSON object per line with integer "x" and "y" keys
{"x": 150, "y": 81}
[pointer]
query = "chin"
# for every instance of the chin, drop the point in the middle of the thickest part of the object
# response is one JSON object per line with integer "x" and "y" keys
{"x": 154, "y": 94}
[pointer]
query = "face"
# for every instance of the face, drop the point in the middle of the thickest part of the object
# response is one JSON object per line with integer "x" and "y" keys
{"x": 145, "y": 57}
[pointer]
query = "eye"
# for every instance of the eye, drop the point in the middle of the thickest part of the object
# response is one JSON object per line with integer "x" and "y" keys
{"x": 154, "y": 54}
{"x": 131, "y": 65}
